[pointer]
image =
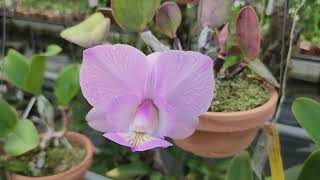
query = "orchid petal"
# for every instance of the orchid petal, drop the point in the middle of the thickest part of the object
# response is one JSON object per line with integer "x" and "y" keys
{"x": 184, "y": 79}
{"x": 151, "y": 143}
{"x": 173, "y": 123}
{"x": 109, "y": 71}
{"x": 121, "y": 111}
{"x": 137, "y": 141}
{"x": 118, "y": 138}
{"x": 116, "y": 116}
{"x": 96, "y": 118}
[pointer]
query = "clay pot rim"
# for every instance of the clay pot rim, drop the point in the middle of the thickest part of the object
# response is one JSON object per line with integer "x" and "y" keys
{"x": 89, "y": 153}
{"x": 274, "y": 97}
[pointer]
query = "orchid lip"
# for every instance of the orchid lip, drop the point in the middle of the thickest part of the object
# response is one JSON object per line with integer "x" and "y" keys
{"x": 146, "y": 118}
{"x": 136, "y": 139}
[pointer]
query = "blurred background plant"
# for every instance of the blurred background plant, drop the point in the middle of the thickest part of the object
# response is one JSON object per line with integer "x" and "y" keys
{"x": 310, "y": 24}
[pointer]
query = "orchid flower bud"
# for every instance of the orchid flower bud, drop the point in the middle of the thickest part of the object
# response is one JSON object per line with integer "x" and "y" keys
{"x": 214, "y": 13}
{"x": 132, "y": 15}
{"x": 168, "y": 19}
{"x": 248, "y": 32}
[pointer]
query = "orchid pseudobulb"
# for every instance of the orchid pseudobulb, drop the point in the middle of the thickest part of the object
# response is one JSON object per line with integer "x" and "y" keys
{"x": 138, "y": 100}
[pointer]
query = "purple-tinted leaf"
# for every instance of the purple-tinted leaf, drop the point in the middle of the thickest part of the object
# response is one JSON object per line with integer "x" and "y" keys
{"x": 223, "y": 37}
{"x": 168, "y": 19}
{"x": 248, "y": 32}
{"x": 214, "y": 13}
{"x": 187, "y": 1}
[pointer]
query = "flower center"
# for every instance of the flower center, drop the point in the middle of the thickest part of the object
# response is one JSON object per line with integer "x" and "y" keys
{"x": 146, "y": 118}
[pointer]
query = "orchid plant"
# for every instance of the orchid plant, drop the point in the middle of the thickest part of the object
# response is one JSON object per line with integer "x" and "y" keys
{"x": 20, "y": 134}
{"x": 139, "y": 99}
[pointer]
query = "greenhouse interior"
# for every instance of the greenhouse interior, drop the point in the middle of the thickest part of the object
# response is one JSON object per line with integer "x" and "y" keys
{"x": 101, "y": 89}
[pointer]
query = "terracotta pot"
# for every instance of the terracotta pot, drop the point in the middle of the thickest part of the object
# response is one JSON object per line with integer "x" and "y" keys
{"x": 223, "y": 134}
{"x": 75, "y": 173}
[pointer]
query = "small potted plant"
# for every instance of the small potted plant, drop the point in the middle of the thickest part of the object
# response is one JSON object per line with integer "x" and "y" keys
{"x": 55, "y": 154}
{"x": 243, "y": 102}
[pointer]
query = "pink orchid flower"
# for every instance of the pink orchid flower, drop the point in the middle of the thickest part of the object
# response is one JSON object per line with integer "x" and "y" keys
{"x": 138, "y": 100}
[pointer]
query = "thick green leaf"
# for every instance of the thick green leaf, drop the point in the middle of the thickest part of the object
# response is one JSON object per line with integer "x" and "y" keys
{"x": 240, "y": 168}
{"x": 129, "y": 170}
{"x": 51, "y": 50}
{"x": 310, "y": 169}
{"x": 92, "y": 31}
{"x": 8, "y": 118}
{"x": 34, "y": 79}
{"x": 15, "y": 67}
{"x": 23, "y": 139}
{"x": 230, "y": 61}
{"x": 25, "y": 74}
{"x": 214, "y": 13}
{"x": 134, "y": 15}
{"x": 67, "y": 85}
{"x": 35, "y": 76}
{"x": 259, "y": 68}
{"x": 307, "y": 113}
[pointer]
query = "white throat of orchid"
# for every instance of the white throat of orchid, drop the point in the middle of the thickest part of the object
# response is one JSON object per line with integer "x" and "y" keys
{"x": 146, "y": 118}
{"x": 144, "y": 124}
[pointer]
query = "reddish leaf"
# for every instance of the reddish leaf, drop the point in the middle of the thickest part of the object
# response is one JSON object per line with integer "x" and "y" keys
{"x": 168, "y": 19}
{"x": 187, "y": 1}
{"x": 223, "y": 37}
{"x": 214, "y": 13}
{"x": 248, "y": 32}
